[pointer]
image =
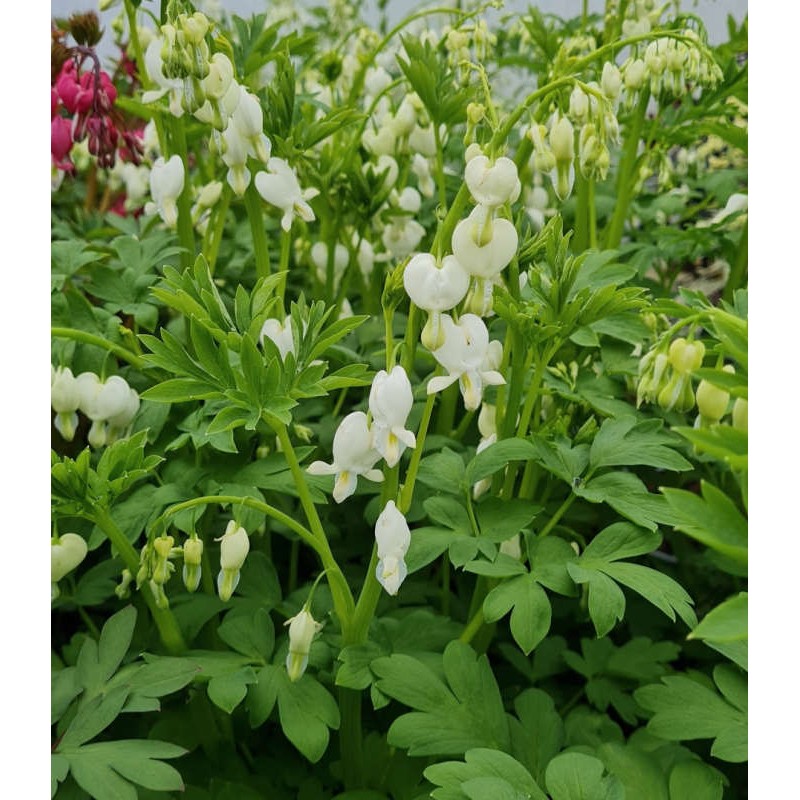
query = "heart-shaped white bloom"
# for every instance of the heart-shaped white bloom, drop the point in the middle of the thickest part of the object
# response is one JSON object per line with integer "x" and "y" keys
{"x": 393, "y": 539}
{"x": 484, "y": 246}
{"x": 401, "y": 236}
{"x": 353, "y": 455}
{"x": 492, "y": 184}
{"x": 166, "y": 184}
{"x": 280, "y": 188}
{"x": 65, "y": 554}
{"x": 421, "y": 167}
{"x": 280, "y": 334}
{"x": 319, "y": 257}
{"x": 390, "y": 401}
{"x": 220, "y": 76}
{"x": 302, "y": 629}
{"x": 248, "y": 120}
{"x": 468, "y": 359}
{"x": 435, "y": 288}
{"x": 65, "y": 398}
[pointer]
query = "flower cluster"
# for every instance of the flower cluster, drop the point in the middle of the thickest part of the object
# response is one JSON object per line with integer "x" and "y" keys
{"x": 359, "y": 443}
{"x": 111, "y": 405}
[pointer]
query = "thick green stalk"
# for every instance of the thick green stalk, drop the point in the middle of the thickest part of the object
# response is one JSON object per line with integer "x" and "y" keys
{"x": 592, "y": 211}
{"x": 252, "y": 202}
{"x": 213, "y": 237}
{"x": 407, "y": 493}
{"x": 736, "y": 279}
{"x": 167, "y": 625}
{"x": 351, "y": 739}
{"x": 178, "y": 147}
{"x": 625, "y": 174}
{"x": 553, "y": 521}
{"x": 283, "y": 264}
{"x": 581, "y": 239}
{"x": 342, "y": 596}
{"x": 440, "y": 182}
{"x": 99, "y": 341}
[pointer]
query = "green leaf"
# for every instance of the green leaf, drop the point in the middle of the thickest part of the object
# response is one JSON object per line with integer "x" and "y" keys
{"x": 685, "y": 709}
{"x": 496, "y": 456}
{"x": 181, "y": 390}
{"x": 713, "y": 520}
{"x": 443, "y": 471}
{"x": 465, "y": 713}
{"x": 639, "y": 772}
{"x": 115, "y": 639}
{"x": 484, "y": 773}
{"x": 695, "y": 779}
{"x": 626, "y": 494}
{"x": 428, "y": 544}
{"x": 251, "y": 634}
{"x": 624, "y": 441}
{"x": 539, "y": 734}
{"x": 228, "y": 690}
{"x": 576, "y": 776}
{"x": 531, "y": 615}
{"x": 499, "y": 520}
{"x": 726, "y": 623}
{"x": 94, "y": 717}
{"x": 721, "y": 441}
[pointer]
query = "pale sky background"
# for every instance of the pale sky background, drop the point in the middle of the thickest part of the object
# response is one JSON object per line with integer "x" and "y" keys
{"x": 713, "y": 12}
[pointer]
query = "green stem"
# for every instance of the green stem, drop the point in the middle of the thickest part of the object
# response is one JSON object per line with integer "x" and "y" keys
{"x": 178, "y": 147}
{"x": 214, "y": 233}
{"x": 99, "y": 341}
{"x": 411, "y": 476}
{"x": 252, "y": 202}
{"x": 447, "y": 410}
{"x": 167, "y": 625}
{"x": 736, "y": 278}
{"x": 625, "y": 176}
{"x": 440, "y": 181}
{"x": 592, "y": 211}
{"x": 342, "y": 596}
{"x": 411, "y": 338}
{"x": 248, "y": 502}
{"x": 472, "y": 627}
{"x": 351, "y": 740}
{"x": 581, "y": 240}
{"x": 562, "y": 509}
{"x": 283, "y": 264}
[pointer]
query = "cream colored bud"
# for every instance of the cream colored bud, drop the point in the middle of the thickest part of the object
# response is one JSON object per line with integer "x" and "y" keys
{"x": 302, "y": 629}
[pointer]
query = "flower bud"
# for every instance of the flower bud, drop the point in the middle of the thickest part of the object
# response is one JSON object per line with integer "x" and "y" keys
{"x": 302, "y": 629}
{"x": 634, "y": 74}
{"x": 685, "y": 357}
{"x": 611, "y": 80}
{"x": 739, "y": 414}
{"x": 192, "y": 560}
{"x": 393, "y": 539}
{"x": 712, "y": 401}
{"x": 122, "y": 590}
{"x": 162, "y": 568}
{"x": 234, "y": 547}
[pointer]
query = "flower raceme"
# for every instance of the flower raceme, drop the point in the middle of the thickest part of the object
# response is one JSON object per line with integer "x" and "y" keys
{"x": 354, "y": 454}
{"x": 469, "y": 358}
{"x": 393, "y": 538}
{"x": 390, "y": 401}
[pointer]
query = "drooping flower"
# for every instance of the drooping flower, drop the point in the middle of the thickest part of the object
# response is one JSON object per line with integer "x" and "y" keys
{"x": 111, "y": 405}
{"x": 280, "y": 187}
{"x": 484, "y": 246}
{"x": 233, "y": 549}
{"x": 166, "y": 184}
{"x": 302, "y": 629}
{"x": 65, "y": 398}
{"x": 66, "y": 552}
{"x": 390, "y": 401}
{"x": 393, "y": 539}
{"x": 468, "y": 358}
{"x": 280, "y": 334}
{"x": 192, "y": 563}
{"x": 354, "y": 454}
{"x": 492, "y": 184}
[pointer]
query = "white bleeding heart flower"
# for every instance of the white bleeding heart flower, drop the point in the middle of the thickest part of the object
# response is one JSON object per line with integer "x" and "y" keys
{"x": 401, "y": 236}
{"x": 468, "y": 359}
{"x": 302, "y": 629}
{"x": 421, "y": 167}
{"x": 110, "y": 405}
{"x": 236, "y": 151}
{"x": 233, "y": 549}
{"x": 354, "y": 454}
{"x": 482, "y": 245}
{"x": 154, "y": 66}
{"x": 433, "y": 287}
{"x": 280, "y": 334}
{"x": 66, "y": 552}
{"x": 393, "y": 539}
{"x": 280, "y": 188}
{"x": 390, "y": 402}
{"x": 65, "y": 398}
{"x": 319, "y": 257}
{"x": 409, "y": 200}
{"x": 166, "y": 184}
{"x": 492, "y": 184}
{"x": 562, "y": 143}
